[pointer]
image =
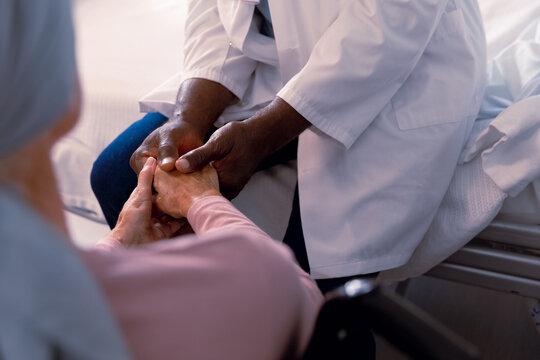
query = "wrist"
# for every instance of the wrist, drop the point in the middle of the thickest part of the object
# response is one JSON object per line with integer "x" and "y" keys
{"x": 198, "y": 197}
{"x": 275, "y": 126}
{"x": 200, "y": 102}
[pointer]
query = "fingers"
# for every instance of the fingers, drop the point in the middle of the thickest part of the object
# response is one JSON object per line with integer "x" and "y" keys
{"x": 146, "y": 176}
{"x": 167, "y": 155}
{"x": 139, "y": 157}
{"x": 200, "y": 157}
{"x": 174, "y": 225}
{"x": 165, "y": 229}
{"x": 137, "y": 161}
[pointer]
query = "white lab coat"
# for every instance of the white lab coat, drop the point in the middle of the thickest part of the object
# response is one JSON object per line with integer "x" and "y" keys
{"x": 391, "y": 89}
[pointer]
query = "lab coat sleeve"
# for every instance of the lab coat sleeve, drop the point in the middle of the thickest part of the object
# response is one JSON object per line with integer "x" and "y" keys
{"x": 360, "y": 62}
{"x": 209, "y": 53}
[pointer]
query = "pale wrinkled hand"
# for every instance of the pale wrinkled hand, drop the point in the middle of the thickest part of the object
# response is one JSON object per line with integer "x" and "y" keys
{"x": 176, "y": 192}
{"x": 136, "y": 225}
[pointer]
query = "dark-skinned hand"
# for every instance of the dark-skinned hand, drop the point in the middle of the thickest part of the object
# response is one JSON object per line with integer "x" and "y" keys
{"x": 198, "y": 105}
{"x": 234, "y": 153}
{"x": 166, "y": 143}
{"x": 236, "y": 149}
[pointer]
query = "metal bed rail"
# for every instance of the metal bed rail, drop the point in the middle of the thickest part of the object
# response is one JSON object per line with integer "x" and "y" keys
{"x": 503, "y": 257}
{"x": 407, "y": 327}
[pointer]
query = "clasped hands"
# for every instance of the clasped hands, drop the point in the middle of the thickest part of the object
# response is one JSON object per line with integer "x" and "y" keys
{"x": 147, "y": 216}
{"x": 184, "y": 174}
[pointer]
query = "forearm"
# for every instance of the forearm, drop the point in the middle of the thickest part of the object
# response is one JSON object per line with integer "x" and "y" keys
{"x": 200, "y": 102}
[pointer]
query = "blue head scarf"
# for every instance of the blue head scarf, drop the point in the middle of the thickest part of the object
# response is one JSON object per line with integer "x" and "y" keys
{"x": 49, "y": 302}
{"x": 37, "y": 67}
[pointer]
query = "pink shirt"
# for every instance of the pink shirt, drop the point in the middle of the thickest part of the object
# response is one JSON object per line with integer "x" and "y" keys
{"x": 230, "y": 292}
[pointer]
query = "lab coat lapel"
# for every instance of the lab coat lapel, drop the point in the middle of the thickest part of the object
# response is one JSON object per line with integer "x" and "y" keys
{"x": 236, "y": 18}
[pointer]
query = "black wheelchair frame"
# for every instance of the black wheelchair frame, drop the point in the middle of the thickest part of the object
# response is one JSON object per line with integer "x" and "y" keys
{"x": 403, "y": 324}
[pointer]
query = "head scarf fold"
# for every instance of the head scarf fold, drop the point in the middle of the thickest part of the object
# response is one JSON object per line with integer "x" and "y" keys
{"x": 37, "y": 68}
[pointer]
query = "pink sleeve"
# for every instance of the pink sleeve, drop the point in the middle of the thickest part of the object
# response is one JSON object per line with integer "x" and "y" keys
{"x": 216, "y": 213}
{"x": 230, "y": 292}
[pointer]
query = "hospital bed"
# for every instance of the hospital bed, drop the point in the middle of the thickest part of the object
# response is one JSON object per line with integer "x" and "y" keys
{"x": 504, "y": 256}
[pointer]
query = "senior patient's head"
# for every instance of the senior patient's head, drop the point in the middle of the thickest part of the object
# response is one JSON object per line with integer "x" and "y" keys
{"x": 39, "y": 97}
{"x": 50, "y": 305}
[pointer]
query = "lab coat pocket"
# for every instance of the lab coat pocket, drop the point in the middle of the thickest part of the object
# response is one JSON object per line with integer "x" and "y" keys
{"x": 443, "y": 86}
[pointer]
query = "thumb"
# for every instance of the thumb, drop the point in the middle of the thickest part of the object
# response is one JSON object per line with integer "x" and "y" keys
{"x": 146, "y": 177}
{"x": 198, "y": 158}
{"x": 167, "y": 155}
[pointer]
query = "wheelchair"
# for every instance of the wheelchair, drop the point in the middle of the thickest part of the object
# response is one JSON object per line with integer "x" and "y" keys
{"x": 408, "y": 328}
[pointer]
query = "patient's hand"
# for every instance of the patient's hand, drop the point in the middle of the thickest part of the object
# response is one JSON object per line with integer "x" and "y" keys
{"x": 177, "y": 191}
{"x": 135, "y": 223}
